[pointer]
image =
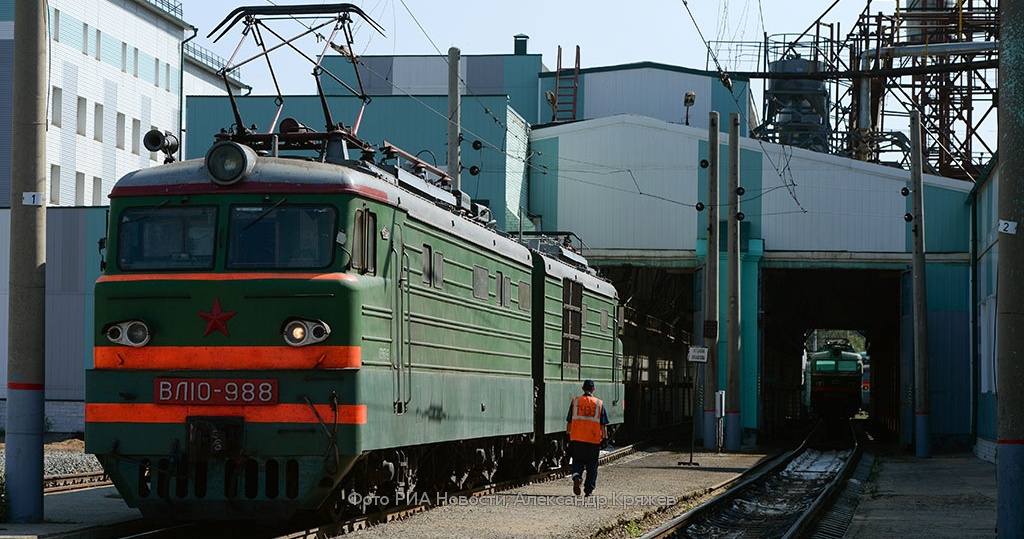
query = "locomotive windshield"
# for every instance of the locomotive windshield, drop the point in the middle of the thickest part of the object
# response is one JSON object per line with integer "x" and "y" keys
{"x": 274, "y": 236}
{"x": 281, "y": 236}
{"x": 167, "y": 238}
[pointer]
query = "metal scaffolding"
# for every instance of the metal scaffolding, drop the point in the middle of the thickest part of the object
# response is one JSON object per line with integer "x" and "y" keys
{"x": 853, "y": 95}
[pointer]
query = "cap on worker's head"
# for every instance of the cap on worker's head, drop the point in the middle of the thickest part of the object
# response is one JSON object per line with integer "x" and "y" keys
{"x": 588, "y": 384}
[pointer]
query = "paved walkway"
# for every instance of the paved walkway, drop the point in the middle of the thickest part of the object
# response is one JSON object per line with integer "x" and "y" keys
{"x": 948, "y": 496}
{"x": 75, "y": 515}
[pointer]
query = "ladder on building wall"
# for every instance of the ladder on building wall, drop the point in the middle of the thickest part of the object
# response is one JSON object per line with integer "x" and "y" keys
{"x": 567, "y": 84}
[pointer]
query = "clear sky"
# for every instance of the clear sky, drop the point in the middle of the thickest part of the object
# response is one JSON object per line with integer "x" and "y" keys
{"x": 608, "y": 33}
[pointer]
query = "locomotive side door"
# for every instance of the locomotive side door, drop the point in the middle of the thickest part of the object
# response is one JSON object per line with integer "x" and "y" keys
{"x": 398, "y": 271}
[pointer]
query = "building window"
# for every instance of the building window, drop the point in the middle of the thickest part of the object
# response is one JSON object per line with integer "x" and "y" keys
{"x": 55, "y": 184}
{"x": 135, "y": 62}
{"x": 97, "y": 191}
{"x": 56, "y": 25}
{"x": 79, "y": 189}
{"x": 85, "y": 39}
{"x": 156, "y": 72}
{"x": 99, "y": 46}
{"x": 56, "y": 115}
{"x": 120, "y": 130}
{"x": 136, "y": 127}
{"x": 572, "y": 309}
{"x": 124, "y": 57}
{"x": 97, "y": 122}
{"x": 167, "y": 77}
{"x": 81, "y": 115}
{"x": 480, "y": 282}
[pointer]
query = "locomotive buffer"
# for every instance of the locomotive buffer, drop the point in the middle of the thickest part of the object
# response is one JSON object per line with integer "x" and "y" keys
{"x": 696, "y": 354}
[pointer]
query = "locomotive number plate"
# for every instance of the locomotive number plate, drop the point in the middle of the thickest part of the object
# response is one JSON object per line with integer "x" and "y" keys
{"x": 215, "y": 391}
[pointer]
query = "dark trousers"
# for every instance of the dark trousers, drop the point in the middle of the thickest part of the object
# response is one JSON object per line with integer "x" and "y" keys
{"x": 584, "y": 456}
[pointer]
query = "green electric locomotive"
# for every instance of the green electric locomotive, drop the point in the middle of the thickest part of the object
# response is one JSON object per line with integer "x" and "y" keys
{"x": 284, "y": 329}
{"x": 833, "y": 382}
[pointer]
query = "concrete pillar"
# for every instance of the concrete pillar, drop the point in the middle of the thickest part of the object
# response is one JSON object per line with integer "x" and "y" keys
{"x": 1010, "y": 275}
{"x": 711, "y": 290}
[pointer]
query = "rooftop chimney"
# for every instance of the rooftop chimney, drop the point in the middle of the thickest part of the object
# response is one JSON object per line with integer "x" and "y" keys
{"x": 520, "y": 43}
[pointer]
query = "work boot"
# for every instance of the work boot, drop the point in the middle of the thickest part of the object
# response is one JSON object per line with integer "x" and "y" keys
{"x": 576, "y": 485}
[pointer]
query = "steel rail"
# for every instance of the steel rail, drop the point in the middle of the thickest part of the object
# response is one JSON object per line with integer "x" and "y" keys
{"x": 755, "y": 478}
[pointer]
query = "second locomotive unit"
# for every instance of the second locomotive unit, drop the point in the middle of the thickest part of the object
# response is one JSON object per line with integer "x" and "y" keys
{"x": 833, "y": 381}
{"x": 325, "y": 332}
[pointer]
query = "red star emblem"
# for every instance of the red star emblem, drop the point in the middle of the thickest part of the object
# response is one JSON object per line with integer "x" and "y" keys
{"x": 216, "y": 319}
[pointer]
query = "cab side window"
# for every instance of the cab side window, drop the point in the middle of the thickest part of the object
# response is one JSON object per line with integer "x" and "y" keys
{"x": 364, "y": 242}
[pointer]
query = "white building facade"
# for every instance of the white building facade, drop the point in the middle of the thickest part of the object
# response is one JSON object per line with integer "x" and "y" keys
{"x": 117, "y": 69}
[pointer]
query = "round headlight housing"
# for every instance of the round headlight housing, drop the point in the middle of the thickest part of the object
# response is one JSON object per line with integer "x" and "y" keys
{"x": 229, "y": 162}
{"x": 295, "y": 333}
{"x": 130, "y": 332}
{"x": 303, "y": 332}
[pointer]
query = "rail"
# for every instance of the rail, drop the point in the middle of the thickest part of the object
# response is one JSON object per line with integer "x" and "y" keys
{"x": 782, "y": 499}
{"x": 78, "y": 481}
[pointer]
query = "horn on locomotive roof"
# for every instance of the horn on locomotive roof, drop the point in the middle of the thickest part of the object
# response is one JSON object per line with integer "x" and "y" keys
{"x": 255, "y": 19}
{"x": 161, "y": 141}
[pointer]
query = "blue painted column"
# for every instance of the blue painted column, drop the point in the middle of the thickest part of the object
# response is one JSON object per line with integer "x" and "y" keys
{"x": 1010, "y": 275}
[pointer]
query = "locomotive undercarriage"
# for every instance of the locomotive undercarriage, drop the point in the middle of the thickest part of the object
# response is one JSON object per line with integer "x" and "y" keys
{"x": 426, "y": 474}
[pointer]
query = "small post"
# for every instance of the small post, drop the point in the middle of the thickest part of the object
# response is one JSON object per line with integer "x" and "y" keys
{"x": 695, "y": 355}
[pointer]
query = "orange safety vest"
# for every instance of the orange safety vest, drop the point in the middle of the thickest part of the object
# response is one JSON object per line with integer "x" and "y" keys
{"x": 586, "y": 419}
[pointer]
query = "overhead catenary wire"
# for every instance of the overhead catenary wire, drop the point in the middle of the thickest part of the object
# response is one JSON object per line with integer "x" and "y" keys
{"x": 502, "y": 149}
{"x": 727, "y": 82}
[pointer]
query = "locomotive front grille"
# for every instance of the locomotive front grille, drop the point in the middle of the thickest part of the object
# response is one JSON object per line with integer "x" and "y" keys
{"x": 245, "y": 478}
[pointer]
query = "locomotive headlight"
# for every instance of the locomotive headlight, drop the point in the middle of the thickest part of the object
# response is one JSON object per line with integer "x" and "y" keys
{"x": 137, "y": 334}
{"x": 229, "y": 162}
{"x": 301, "y": 332}
{"x": 295, "y": 333}
{"x": 131, "y": 332}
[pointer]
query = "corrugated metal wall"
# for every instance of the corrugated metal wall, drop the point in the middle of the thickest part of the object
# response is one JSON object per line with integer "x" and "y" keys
{"x": 987, "y": 260}
{"x": 72, "y": 266}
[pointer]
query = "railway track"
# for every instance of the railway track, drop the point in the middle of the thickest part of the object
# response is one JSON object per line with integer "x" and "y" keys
{"x": 390, "y": 514}
{"x": 78, "y": 481}
{"x": 150, "y": 530}
{"x": 782, "y": 499}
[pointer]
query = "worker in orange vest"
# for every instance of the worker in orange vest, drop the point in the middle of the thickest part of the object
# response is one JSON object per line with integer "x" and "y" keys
{"x": 587, "y": 428}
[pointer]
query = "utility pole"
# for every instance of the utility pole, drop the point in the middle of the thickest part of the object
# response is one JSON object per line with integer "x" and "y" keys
{"x": 732, "y": 389}
{"x": 454, "y": 119}
{"x": 26, "y": 363}
{"x": 922, "y": 428}
{"x": 711, "y": 290}
{"x": 1010, "y": 276}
